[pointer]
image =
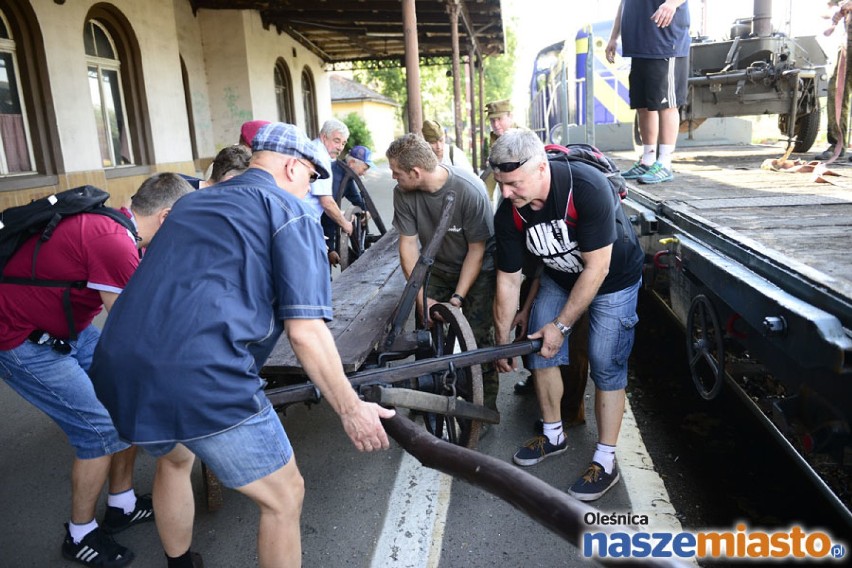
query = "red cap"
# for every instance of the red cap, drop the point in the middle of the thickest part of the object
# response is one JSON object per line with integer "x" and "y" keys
{"x": 249, "y": 130}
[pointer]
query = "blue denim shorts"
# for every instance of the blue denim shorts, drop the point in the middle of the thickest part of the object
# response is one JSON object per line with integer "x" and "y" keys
{"x": 247, "y": 452}
{"x": 612, "y": 323}
{"x": 57, "y": 384}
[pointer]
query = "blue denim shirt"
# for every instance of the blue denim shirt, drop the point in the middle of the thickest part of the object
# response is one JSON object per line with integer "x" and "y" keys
{"x": 183, "y": 346}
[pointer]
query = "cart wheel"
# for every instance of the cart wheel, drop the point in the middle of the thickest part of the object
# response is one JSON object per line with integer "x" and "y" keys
{"x": 212, "y": 488}
{"x": 704, "y": 347}
{"x": 349, "y": 248}
{"x": 448, "y": 336}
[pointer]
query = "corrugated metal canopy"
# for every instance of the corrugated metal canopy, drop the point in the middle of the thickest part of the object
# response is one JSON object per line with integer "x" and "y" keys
{"x": 340, "y": 31}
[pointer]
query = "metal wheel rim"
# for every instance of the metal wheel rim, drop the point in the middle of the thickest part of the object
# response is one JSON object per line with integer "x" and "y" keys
{"x": 455, "y": 328}
{"x": 350, "y": 248}
{"x": 705, "y": 348}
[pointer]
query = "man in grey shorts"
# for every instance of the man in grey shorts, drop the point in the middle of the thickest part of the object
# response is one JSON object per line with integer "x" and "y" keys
{"x": 656, "y": 35}
{"x": 235, "y": 265}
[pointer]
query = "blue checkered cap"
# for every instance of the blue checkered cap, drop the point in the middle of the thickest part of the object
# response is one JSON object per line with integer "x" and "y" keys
{"x": 290, "y": 140}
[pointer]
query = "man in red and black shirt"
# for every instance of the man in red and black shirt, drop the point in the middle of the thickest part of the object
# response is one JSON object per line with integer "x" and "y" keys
{"x": 567, "y": 215}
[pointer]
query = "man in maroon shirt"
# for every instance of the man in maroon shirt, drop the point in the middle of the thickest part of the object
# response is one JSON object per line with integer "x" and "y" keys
{"x": 42, "y": 363}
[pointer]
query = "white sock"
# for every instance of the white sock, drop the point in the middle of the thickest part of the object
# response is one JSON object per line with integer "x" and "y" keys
{"x": 126, "y": 500}
{"x": 79, "y": 532}
{"x": 605, "y": 455}
{"x": 553, "y": 431}
{"x": 666, "y": 151}
{"x": 649, "y": 154}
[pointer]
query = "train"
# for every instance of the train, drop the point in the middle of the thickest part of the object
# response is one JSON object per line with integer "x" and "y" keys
{"x": 755, "y": 72}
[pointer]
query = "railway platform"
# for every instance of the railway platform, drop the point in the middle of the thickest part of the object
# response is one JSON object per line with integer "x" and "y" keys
{"x": 361, "y": 510}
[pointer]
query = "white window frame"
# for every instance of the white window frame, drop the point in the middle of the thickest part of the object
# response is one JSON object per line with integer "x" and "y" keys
{"x": 102, "y": 64}
{"x": 8, "y": 46}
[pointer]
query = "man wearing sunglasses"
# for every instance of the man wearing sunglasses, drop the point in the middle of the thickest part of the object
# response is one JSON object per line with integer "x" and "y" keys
{"x": 49, "y": 369}
{"x": 567, "y": 215}
{"x": 463, "y": 272}
{"x": 237, "y": 264}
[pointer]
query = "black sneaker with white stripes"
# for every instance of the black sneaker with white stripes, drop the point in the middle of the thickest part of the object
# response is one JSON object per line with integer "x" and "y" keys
{"x": 96, "y": 549}
{"x": 116, "y": 520}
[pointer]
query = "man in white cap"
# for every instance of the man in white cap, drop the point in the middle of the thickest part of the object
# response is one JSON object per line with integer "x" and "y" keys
{"x": 237, "y": 264}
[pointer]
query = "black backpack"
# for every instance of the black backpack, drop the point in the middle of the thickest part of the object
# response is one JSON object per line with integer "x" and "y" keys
{"x": 41, "y": 216}
{"x": 589, "y": 155}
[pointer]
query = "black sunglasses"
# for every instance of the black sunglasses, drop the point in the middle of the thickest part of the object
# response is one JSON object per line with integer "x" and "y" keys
{"x": 59, "y": 345}
{"x": 507, "y": 167}
{"x": 314, "y": 174}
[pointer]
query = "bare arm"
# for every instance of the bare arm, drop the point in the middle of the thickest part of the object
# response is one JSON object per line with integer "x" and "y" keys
{"x": 595, "y": 269}
{"x": 329, "y": 205}
{"x": 613, "y": 37}
{"x": 665, "y": 13}
{"x": 314, "y": 347}
{"x": 470, "y": 269}
{"x": 522, "y": 318}
{"x": 505, "y": 308}
{"x": 108, "y": 298}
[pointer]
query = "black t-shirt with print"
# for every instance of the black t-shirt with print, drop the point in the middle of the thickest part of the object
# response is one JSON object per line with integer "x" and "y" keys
{"x": 600, "y": 221}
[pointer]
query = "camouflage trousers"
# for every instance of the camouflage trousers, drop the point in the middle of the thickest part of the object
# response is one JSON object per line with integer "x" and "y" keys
{"x": 477, "y": 309}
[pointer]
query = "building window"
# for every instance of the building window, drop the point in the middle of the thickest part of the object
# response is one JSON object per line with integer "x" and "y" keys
{"x": 284, "y": 92}
{"x": 104, "y": 71}
{"x": 16, "y": 151}
{"x": 309, "y": 101}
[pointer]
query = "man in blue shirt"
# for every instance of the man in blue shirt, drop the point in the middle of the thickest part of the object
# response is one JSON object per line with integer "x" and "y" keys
{"x": 178, "y": 363}
{"x": 655, "y": 34}
{"x": 356, "y": 164}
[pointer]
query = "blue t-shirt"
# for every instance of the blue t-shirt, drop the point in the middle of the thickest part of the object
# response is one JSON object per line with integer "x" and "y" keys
{"x": 180, "y": 355}
{"x": 640, "y": 36}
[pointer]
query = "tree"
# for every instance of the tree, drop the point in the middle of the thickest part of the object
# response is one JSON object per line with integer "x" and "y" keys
{"x": 500, "y": 70}
{"x": 359, "y": 134}
{"x": 437, "y": 82}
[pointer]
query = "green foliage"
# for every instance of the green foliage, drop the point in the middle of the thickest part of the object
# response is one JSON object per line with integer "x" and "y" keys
{"x": 359, "y": 134}
{"x": 500, "y": 71}
{"x": 436, "y": 84}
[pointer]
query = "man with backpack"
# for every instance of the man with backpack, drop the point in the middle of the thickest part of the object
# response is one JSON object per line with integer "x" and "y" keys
{"x": 567, "y": 213}
{"x": 46, "y": 347}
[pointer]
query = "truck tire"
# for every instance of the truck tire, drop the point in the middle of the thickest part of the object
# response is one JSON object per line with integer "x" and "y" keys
{"x": 807, "y": 128}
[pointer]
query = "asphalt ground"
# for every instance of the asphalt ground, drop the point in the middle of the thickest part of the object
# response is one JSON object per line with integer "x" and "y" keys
{"x": 355, "y": 504}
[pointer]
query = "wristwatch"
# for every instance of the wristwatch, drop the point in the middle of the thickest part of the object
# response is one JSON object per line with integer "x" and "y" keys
{"x": 565, "y": 330}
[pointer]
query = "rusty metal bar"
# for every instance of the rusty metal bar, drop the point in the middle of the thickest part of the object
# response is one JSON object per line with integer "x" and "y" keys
{"x": 418, "y": 276}
{"x": 471, "y": 101}
{"x": 430, "y": 402}
{"x": 481, "y": 113}
{"x": 412, "y": 66}
{"x": 453, "y": 9}
{"x": 307, "y": 392}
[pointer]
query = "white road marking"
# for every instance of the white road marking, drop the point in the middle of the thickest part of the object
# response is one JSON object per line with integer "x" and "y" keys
{"x": 413, "y": 530}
